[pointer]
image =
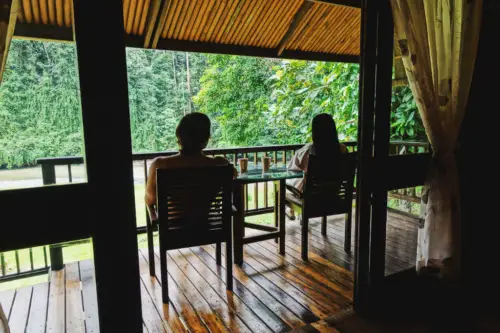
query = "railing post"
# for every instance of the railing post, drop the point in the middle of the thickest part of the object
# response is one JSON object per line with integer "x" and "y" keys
{"x": 56, "y": 257}
{"x": 48, "y": 174}
{"x": 56, "y": 254}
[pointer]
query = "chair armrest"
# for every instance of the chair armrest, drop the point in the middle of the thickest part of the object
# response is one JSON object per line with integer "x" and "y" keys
{"x": 294, "y": 191}
{"x": 153, "y": 216}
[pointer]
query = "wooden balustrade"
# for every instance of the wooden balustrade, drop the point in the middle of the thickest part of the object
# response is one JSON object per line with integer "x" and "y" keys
{"x": 279, "y": 153}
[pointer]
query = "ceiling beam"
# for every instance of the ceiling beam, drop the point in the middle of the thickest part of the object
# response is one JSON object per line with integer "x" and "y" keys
{"x": 154, "y": 9}
{"x": 160, "y": 22}
{"x": 8, "y": 17}
{"x": 348, "y": 3}
{"x": 188, "y": 46}
{"x": 304, "y": 8}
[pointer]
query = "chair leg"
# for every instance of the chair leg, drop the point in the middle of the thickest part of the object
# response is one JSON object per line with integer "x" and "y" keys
{"x": 323, "y": 225}
{"x": 229, "y": 261}
{"x": 151, "y": 251}
{"x": 305, "y": 237}
{"x": 276, "y": 209}
{"x": 218, "y": 253}
{"x": 164, "y": 273}
{"x": 282, "y": 219}
{"x": 347, "y": 234}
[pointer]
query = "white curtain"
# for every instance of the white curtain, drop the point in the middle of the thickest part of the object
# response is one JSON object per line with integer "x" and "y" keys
{"x": 438, "y": 41}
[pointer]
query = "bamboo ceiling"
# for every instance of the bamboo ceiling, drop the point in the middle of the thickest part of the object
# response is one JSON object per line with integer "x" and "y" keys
{"x": 303, "y": 29}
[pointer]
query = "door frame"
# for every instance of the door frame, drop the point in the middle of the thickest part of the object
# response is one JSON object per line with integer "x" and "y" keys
{"x": 103, "y": 208}
{"x": 377, "y": 171}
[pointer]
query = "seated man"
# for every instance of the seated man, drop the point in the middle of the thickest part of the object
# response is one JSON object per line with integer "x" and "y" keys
{"x": 193, "y": 133}
{"x": 325, "y": 144}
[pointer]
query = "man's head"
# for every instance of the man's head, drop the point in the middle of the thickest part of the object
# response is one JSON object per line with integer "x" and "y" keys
{"x": 193, "y": 132}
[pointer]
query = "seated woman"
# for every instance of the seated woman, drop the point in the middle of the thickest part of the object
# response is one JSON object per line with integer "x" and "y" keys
{"x": 193, "y": 133}
{"x": 325, "y": 144}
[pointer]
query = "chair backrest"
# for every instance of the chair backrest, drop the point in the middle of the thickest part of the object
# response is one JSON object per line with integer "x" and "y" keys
{"x": 197, "y": 199}
{"x": 329, "y": 185}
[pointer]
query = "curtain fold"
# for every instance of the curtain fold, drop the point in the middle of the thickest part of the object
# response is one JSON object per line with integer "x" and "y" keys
{"x": 438, "y": 41}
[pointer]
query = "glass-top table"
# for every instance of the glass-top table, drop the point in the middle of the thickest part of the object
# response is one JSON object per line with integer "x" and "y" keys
{"x": 255, "y": 174}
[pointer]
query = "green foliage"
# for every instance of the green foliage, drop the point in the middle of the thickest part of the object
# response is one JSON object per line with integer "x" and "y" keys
{"x": 304, "y": 89}
{"x": 39, "y": 103}
{"x": 406, "y": 123}
{"x": 235, "y": 94}
{"x": 159, "y": 95}
{"x": 251, "y": 101}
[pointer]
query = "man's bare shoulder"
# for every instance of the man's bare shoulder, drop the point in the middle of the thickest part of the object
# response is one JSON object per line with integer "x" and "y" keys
{"x": 163, "y": 162}
{"x": 219, "y": 161}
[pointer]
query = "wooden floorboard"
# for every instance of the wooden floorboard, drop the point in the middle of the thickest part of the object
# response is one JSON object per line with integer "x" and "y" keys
{"x": 75, "y": 317}
{"x": 6, "y": 300}
{"x": 210, "y": 271}
{"x": 272, "y": 293}
{"x": 56, "y": 320}
{"x": 38, "y": 308}
{"x": 20, "y": 310}
{"x": 322, "y": 296}
{"x": 202, "y": 308}
{"x": 244, "y": 283}
{"x": 293, "y": 269}
{"x": 167, "y": 314}
{"x": 89, "y": 296}
{"x": 215, "y": 296}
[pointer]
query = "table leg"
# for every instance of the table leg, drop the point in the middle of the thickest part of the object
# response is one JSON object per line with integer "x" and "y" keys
{"x": 238, "y": 223}
{"x": 276, "y": 190}
{"x": 244, "y": 190}
{"x": 282, "y": 193}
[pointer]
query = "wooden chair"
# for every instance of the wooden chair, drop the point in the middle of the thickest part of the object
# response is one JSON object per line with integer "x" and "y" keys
{"x": 193, "y": 207}
{"x": 328, "y": 190}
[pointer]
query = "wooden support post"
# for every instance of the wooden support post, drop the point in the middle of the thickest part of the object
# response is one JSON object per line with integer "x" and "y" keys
{"x": 56, "y": 253}
{"x": 106, "y": 128}
{"x": 383, "y": 93}
{"x": 48, "y": 174}
{"x": 365, "y": 152}
{"x": 56, "y": 257}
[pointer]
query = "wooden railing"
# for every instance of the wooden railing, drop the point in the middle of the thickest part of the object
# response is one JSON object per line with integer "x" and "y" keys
{"x": 279, "y": 153}
{"x": 407, "y": 196}
{"x": 19, "y": 271}
{"x": 254, "y": 206}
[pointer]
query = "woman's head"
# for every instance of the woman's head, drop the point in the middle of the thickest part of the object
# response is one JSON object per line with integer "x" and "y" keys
{"x": 324, "y": 134}
{"x": 193, "y": 132}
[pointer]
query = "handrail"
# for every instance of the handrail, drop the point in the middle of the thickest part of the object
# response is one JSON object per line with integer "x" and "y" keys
{"x": 63, "y": 160}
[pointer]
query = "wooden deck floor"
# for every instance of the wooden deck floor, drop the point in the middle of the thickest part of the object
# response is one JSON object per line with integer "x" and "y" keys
{"x": 272, "y": 293}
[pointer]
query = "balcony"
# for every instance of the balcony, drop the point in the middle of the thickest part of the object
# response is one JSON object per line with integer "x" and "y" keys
{"x": 272, "y": 292}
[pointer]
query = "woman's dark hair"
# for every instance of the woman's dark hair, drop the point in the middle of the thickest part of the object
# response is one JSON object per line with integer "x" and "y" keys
{"x": 193, "y": 132}
{"x": 324, "y": 136}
